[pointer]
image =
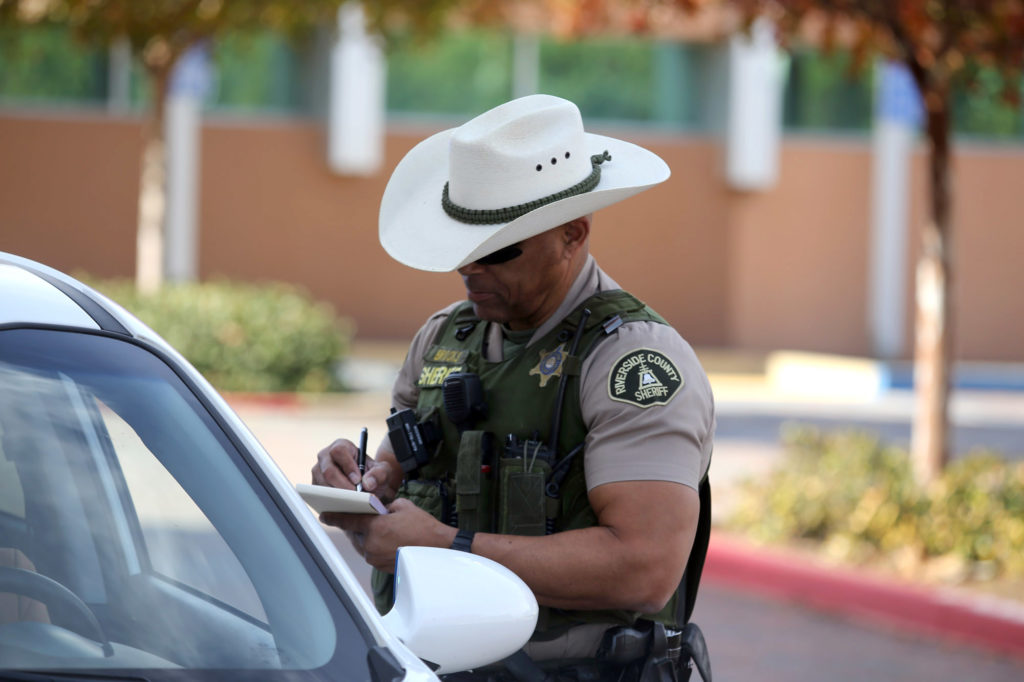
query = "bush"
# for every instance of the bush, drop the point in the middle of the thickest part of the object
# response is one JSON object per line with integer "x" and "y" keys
{"x": 244, "y": 337}
{"x": 858, "y": 499}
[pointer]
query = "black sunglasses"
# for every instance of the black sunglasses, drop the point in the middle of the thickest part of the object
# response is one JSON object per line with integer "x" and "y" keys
{"x": 501, "y": 256}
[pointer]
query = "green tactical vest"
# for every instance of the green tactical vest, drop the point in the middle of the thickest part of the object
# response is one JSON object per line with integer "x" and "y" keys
{"x": 494, "y": 475}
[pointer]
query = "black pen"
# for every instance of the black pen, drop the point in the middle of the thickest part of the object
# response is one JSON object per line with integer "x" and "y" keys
{"x": 361, "y": 459}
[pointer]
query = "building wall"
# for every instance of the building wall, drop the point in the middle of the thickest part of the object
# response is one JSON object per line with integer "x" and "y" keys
{"x": 988, "y": 220}
{"x": 799, "y": 253}
{"x": 781, "y": 269}
{"x": 69, "y": 191}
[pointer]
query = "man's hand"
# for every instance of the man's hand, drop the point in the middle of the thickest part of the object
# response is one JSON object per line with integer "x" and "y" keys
{"x": 336, "y": 466}
{"x": 377, "y": 538}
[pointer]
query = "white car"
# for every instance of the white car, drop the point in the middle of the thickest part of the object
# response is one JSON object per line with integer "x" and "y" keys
{"x": 146, "y": 534}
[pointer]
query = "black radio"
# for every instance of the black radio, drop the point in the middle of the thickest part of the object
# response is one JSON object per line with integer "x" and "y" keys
{"x": 412, "y": 441}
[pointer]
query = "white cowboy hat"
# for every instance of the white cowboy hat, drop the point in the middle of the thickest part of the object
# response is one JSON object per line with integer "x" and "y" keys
{"x": 513, "y": 172}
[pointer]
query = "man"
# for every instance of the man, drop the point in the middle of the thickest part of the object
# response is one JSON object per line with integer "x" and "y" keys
{"x": 572, "y": 425}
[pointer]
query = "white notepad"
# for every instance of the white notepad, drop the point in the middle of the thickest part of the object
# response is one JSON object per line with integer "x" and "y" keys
{"x": 327, "y": 499}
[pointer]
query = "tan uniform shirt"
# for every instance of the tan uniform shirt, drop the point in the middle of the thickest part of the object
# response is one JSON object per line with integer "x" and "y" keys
{"x": 625, "y": 442}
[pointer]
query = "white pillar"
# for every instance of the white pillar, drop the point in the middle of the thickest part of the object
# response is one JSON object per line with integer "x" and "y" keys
{"x": 119, "y": 75}
{"x": 182, "y": 118}
{"x": 897, "y": 119}
{"x": 525, "y": 64}
{"x": 754, "y": 122}
{"x": 355, "y": 118}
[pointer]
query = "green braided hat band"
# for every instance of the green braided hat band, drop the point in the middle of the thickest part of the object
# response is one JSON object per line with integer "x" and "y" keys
{"x": 492, "y": 216}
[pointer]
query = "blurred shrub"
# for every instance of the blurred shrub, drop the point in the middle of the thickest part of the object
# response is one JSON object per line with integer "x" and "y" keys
{"x": 857, "y": 497}
{"x": 244, "y": 337}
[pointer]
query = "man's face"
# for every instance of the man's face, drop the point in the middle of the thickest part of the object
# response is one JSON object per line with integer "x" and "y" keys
{"x": 526, "y": 290}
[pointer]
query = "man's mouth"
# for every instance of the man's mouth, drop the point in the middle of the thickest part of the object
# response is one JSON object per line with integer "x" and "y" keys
{"x": 477, "y": 291}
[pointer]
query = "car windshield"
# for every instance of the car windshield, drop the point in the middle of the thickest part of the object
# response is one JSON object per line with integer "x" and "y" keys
{"x": 135, "y": 535}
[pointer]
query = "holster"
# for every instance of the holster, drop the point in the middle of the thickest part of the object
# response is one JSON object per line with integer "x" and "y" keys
{"x": 652, "y": 653}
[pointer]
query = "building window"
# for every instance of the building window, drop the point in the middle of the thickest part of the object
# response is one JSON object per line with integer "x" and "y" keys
{"x": 259, "y": 72}
{"x": 982, "y": 111}
{"x": 666, "y": 85}
{"x": 827, "y": 93}
{"x": 460, "y": 73}
{"x": 625, "y": 79}
{"x": 43, "y": 65}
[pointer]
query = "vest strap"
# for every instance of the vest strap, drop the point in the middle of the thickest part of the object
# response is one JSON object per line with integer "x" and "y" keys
{"x": 687, "y": 595}
{"x": 572, "y": 366}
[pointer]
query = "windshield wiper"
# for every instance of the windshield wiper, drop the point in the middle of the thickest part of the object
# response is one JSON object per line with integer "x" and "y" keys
{"x": 63, "y": 675}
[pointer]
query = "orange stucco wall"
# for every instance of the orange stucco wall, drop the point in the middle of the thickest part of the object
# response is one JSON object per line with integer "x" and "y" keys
{"x": 799, "y": 254}
{"x": 779, "y": 269}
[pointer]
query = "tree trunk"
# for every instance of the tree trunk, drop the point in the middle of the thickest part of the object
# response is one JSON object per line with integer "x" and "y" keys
{"x": 149, "y": 254}
{"x": 933, "y": 354}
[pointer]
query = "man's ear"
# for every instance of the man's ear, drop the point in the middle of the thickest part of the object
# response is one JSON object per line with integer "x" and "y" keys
{"x": 576, "y": 233}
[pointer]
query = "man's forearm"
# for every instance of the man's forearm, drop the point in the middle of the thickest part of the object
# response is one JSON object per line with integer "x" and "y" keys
{"x": 587, "y": 569}
{"x": 634, "y": 558}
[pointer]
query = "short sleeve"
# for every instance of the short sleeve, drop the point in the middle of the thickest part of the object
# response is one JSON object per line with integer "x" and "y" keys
{"x": 648, "y": 408}
{"x": 405, "y": 393}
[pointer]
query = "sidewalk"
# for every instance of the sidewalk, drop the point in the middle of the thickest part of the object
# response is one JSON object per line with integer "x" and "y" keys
{"x": 294, "y": 428}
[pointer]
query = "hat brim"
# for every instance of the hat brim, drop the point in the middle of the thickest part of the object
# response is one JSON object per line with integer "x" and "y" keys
{"x": 415, "y": 230}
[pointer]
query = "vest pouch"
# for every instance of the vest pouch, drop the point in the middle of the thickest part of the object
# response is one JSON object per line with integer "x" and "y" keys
{"x": 430, "y": 495}
{"x": 474, "y": 480}
{"x": 383, "y": 586}
{"x": 521, "y": 500}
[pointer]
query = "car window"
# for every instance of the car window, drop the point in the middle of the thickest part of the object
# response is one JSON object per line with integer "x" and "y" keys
{"x": 136, "y": 503}
{"x": 180, "y": 541}
{"x": 12, "y": 500}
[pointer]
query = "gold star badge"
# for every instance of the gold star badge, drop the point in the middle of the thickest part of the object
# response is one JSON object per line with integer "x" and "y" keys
{"x": 550, "y": 364}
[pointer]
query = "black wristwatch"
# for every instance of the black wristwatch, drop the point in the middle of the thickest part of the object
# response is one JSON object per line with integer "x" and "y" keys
{"x": 463, "y": 541}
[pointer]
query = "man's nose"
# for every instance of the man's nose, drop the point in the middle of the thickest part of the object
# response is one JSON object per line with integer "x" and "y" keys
{"x": 471, "y": 268}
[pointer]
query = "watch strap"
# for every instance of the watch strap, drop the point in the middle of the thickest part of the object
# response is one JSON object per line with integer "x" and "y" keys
{"x": 463, "y": 541}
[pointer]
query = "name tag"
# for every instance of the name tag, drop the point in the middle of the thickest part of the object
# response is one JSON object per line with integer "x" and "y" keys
{"x": 434, "y": 375}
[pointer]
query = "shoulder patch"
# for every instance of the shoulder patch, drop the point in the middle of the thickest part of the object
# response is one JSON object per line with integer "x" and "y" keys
{"x": 644, "y": 377}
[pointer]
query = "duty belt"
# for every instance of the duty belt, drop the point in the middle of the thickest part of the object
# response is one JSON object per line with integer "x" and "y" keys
{"x": 647, "y": 653}
{"x": 624, "y": 644}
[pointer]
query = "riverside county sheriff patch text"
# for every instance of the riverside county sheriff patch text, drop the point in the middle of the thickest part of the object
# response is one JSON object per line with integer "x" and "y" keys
{"x": 644, "y": 377}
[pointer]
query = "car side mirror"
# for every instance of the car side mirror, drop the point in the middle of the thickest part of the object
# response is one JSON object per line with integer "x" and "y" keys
{"x": 457, "y": 610}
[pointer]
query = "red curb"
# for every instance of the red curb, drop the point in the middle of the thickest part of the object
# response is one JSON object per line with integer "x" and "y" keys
{"x": 995, "y": 624}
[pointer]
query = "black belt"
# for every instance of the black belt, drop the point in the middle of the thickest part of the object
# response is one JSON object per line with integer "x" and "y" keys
{"x": 646, "y": 652}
